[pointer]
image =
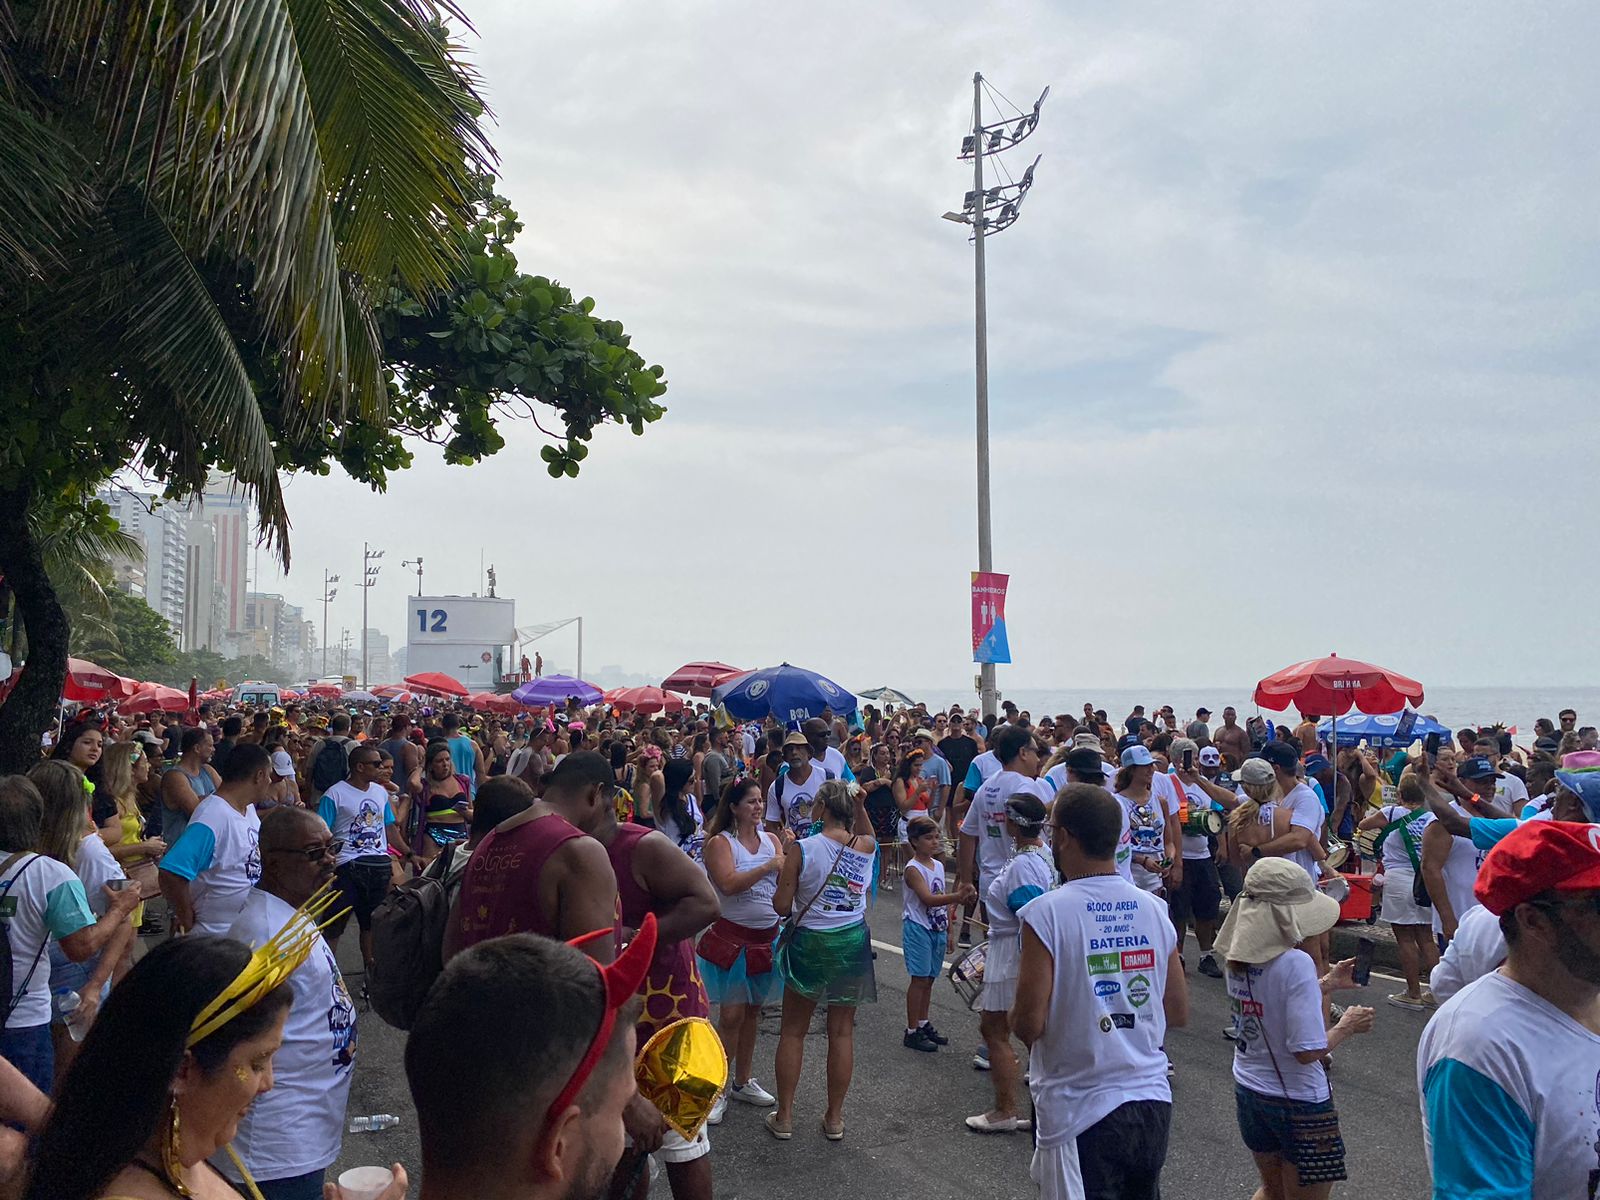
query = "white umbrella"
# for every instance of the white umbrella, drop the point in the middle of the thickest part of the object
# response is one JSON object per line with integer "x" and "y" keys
{"x": 887, "y": 695}
{"x": 358, "y": 696}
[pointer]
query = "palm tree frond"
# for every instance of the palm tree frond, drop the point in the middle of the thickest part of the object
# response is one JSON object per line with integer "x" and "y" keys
{"x": 398, "y": 124}
{"x": 39, "y": 190}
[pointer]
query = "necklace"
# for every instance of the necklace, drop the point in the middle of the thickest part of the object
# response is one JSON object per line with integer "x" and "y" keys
{"x": 1088, "y": 875}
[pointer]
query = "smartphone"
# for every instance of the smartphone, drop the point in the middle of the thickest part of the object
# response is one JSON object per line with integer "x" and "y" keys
{"x": 1430, "y": 749}
{"x": 1362, "y": 974}
{"x": 1188, "y": 760}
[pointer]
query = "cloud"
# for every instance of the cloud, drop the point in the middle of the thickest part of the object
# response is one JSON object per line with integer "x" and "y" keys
{"x": 1293, "y": 349}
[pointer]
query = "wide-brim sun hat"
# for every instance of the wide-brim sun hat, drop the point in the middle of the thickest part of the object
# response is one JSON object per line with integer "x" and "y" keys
{"x": 1278, "y": 909}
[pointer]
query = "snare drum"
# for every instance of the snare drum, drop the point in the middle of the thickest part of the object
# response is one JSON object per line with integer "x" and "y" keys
{"x": 966, "y": 974}
{"x": 1336, "y": 887}
{"x": 1338, "y": 855}
{"x": 1203, "y": 822}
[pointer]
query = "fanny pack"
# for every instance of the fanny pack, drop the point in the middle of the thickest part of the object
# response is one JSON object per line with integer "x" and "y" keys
{"x": 722, "y": 944}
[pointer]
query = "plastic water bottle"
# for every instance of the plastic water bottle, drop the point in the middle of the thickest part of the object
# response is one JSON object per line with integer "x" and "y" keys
{"x": 373, "y": 1123}
{"x": 69, "y": 1007}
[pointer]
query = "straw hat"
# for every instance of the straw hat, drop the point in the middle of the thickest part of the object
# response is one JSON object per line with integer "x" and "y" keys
{"x": 1278, "y": 909}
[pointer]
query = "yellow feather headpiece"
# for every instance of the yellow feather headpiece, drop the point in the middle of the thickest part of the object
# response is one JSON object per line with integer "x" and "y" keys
{"x": 271, "y": 965}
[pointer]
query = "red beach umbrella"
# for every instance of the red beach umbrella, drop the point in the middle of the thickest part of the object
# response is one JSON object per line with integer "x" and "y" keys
{"x": 436, "y": 683}
{"x": 698, "y": 678}
{"x": 1333, "y": 685}
{"x": 644, "y": 699}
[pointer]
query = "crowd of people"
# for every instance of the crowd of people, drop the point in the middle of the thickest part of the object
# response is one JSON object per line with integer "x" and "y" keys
{"x": 621, "y": 871}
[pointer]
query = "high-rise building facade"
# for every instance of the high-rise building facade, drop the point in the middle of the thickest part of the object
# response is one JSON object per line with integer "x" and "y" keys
{"x": 162, "y": 529}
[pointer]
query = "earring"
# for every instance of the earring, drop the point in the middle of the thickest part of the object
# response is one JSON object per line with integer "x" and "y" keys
{"x": 172, "y": 1150}
{"x": 241, "y": 1075}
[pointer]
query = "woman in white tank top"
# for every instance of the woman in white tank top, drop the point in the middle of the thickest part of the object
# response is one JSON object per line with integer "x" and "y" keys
{"x": 736, "y": 953}
{"x": 826, "y": 955}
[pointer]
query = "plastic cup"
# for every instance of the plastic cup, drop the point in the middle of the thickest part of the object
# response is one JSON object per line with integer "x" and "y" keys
{"x": 365, "y": 1183}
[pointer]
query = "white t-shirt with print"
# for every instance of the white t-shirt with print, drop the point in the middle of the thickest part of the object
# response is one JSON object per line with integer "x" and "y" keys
{"x": 219, "y": 853}
{"x": 1195, "y": 846}
{"x": 1277, "y": 1012}
{"x": 1394, "y": 855}
{"x": 793, "y": 811}
{"x": 295, "y": 1128}
{"x": 1305, "y": 810}
{"x": 40, "y": 899}
{"x": 1147, "y": 832}
{"x": 1510, "y": 793}
{"x": 1101, "y": 1044}
{"x": 1510, "y": 1090}
{"x": 986, "y": 817}
{"x": 357, "y": 818}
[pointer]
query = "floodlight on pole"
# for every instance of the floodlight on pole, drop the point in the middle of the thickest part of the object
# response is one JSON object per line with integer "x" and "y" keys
{"x": 368, "y": 555}
{"x": 1004, "y": 202}
{"x": 328, "y": 593}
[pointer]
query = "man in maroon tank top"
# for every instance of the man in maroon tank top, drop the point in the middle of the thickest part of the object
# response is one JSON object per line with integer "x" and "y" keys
{"x": 652, "y": 875}
{"x": 538, "y": 873}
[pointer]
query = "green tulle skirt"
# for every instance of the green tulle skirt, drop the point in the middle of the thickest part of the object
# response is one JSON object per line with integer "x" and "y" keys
{"x": 830, "y": 966}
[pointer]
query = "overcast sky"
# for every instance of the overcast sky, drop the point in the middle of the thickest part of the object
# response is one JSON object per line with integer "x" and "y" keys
{"x": 1293, "y": 350}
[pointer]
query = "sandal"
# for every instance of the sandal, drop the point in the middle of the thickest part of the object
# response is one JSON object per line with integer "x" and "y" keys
{"x": 783, "y": 1135}
{"x": 833, "y": 1135}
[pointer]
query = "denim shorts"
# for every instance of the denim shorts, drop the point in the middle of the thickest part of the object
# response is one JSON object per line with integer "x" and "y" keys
{"x": 924, "y": 949}
{"x": 1303, "y": 1132}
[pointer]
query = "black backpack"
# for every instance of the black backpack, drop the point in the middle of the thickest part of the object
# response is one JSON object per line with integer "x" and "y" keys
{"x": 408, "y": 931}
{"x": 8, "y": 912}
{"x": 331, "y": 765}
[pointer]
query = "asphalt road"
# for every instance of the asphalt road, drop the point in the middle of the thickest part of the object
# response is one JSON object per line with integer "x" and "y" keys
{"x": 904, "y": 1114}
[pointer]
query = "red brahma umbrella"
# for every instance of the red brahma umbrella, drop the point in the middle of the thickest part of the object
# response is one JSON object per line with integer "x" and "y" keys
{"x": 436, "y": 683}
{"x": 698, "y": 678}
{"x": 155, "y": 697}
{"x": 1333, "y": 685}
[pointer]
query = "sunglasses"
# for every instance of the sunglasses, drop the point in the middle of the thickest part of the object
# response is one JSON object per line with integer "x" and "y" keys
{"x": 313, "y": 853}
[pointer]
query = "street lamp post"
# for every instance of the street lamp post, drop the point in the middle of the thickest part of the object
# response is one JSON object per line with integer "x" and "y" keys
{"x": 328, "y": 593}
{"x": 368, "y": 581}
{"x": 417, "y": 563}
{"x": 989, "y": 212}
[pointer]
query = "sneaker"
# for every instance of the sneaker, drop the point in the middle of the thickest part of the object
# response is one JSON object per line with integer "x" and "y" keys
{"x": 1409, "y": 1003}
{"x": 1229, "y": 1032}
{"x": 751, "y": 1092}
{"x": 1428, "y": 998}
{"x": 933, "y": 1035}
{"x": 717, "y": 1109}
{"x": 980, "y": 1060}
{"x": 1171, "y": 1069}
{"x": 915, "y": 1039}
{"x": 1208, "y": 965}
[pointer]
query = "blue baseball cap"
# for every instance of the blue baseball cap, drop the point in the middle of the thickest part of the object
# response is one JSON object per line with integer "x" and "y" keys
{"x": 1477, "y": 767}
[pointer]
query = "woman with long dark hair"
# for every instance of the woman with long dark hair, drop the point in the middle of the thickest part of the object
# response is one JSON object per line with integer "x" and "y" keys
{"x": 147, "y": 1101}
{"x": 678, "y": 815}
{"x": 81, "y": 744}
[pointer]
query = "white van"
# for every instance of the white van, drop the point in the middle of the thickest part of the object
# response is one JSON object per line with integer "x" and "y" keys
{"x": 261, "y": 695}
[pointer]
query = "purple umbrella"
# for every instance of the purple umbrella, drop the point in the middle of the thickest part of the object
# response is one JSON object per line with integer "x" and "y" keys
{"x": 554, "y": 689}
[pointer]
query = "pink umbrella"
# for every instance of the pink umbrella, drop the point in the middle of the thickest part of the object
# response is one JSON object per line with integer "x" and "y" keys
{"x": 155, "y": 697}
{"x": 1330, "y": 686}
{"x": 494, "y": 702}
{"x": 644, "y": 700}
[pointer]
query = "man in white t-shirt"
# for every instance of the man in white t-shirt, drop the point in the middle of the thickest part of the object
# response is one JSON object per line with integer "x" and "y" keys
{"x": 1305, "y": 810}
{"x": 290, "y": 1136}
{"x": 1510, "y": 793}
{"x": 358, "y": 812}
{"x": 1099, "y": 984}
{"x": 209, "y": 872}
{"x": 1507, "y": 1068}
{"x": 985, "y": 849}
{"x": 826, "y": 758}
{"x": 790, "y": 796}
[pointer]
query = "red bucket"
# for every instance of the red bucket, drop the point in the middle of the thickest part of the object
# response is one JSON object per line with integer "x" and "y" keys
{"x": 1357, "y": 906}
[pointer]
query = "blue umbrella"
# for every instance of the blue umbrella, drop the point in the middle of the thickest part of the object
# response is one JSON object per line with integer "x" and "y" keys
{"x": 1381, "y": 730}
{"x": 791, "y": 694}
{"x": 554, "y": 689}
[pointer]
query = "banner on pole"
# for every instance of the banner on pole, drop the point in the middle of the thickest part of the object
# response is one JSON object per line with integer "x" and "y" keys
{"x": 989, "y": 643}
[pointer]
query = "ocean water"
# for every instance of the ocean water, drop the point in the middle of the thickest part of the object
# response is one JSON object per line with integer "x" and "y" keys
{"x": 1456, "y": 707}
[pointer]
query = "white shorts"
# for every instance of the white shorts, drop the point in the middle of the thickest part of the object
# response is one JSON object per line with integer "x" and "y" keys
{"x": 1055, "y": 1172}
{"x": 1399, "y": 908}
{"x": 675, "y": 1150}
{"x": 1000, "y": 969}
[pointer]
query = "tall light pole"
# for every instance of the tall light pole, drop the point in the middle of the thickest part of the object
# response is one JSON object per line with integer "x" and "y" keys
{"x": 368, "y": 580}
{"x": 417, "y": 563}
{"x": 989, "y": 212}
{"x": 328, "y": 593}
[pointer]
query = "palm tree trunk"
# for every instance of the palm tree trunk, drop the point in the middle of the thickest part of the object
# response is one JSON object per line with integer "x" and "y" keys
{"x": 30, "y": 708}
